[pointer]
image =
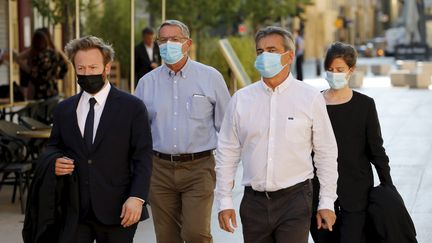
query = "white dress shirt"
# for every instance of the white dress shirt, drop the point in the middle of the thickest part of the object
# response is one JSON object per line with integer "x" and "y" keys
{"x": 84, "y": 107}
{"x": 273, "y": 133}
{"x": 149, "y": 50}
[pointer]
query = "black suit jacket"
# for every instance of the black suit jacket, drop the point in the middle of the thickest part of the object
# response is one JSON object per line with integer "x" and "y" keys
{"x": 120, "y": 161}
{"x": 142, "y": 60}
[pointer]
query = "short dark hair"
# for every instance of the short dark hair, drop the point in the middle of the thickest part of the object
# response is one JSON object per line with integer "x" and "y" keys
{"x": 340, "y": 50}
{"x": 48, "y": 35}
{"x": 147, "y": 31}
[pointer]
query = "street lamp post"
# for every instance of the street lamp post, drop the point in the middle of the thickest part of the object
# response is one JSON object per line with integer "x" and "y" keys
{"x": 11, "y": 68}
{"x": 77, "y": 19}
{"x": 163, "y": 10}
{"x": 77, "y": 35}
{"x": 132, "y": 48}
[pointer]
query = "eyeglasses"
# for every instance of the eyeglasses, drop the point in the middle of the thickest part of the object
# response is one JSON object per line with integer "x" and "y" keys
{"x": 163, "y": 40}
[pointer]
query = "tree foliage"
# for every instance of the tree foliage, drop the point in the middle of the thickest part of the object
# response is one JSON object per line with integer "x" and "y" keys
{"x": 201, "y": 16}
{"x": 110, "y": 20}
{"x": 56, "y": 12}
{"x": 261, "y": 13}
{"x": 196, "y": 14}
{"x": 53, "y": 10}
{"x": 205, "y": 17}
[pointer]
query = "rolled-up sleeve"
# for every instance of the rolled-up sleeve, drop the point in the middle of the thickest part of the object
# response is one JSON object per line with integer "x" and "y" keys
{"x": 227, "y": 158}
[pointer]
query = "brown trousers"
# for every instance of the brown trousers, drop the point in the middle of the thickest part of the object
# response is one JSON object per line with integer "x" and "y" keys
{"x": 181, "y": 199}
{"x": 277, "y": 217}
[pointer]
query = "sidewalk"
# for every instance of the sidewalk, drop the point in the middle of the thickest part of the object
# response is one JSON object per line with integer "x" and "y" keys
{"x": 406, "y": 121}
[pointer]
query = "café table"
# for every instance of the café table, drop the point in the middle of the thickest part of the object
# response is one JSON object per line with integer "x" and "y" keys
{"x": 42, "y": 133}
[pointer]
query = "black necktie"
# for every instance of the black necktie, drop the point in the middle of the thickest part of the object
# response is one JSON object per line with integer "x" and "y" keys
{"x": 88, "y": 129}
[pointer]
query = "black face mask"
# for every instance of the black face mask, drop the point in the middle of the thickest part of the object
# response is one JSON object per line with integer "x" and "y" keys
{"x": 91, "y": 83}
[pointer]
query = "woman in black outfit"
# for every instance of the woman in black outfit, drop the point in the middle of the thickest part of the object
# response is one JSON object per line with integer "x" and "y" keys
{"x": 355, "y": 123}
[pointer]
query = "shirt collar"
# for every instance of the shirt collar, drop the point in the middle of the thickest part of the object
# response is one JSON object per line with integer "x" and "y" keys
{"x": 149, "y": 47}
{"x": 281, "y": 87}
{"x": 184, "y": 72}
{"x": 100, "y": 96}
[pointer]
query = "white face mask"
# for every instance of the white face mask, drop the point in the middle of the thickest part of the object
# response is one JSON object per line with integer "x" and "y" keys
{"x": 336, "y": 80}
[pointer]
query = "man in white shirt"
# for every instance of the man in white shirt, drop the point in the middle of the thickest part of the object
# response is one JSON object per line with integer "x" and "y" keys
{"x": 147, "y": 55}
{"x": 273, "y": 126}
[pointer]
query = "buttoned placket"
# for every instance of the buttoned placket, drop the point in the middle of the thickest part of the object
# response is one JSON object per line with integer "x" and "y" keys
{"x": 271, "y": 138}
{"x": 175, "y": 111}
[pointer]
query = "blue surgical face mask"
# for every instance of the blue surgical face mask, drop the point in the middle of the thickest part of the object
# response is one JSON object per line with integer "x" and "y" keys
{"x": 269, "y": 64}
{"x": 336, "y": 80}
{"x": 171, "y": 52}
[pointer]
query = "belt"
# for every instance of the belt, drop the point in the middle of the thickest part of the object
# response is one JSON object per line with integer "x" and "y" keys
{"x": 278, "y": 193}
{"x": 182, "y": 157}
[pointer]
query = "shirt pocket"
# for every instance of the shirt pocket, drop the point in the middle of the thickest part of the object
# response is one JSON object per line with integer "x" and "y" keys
{"x": 200, "y": 107}
{"x": 297, "y": 130}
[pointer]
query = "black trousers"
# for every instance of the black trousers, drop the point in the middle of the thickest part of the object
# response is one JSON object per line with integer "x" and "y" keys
{"x": 282, "y": 216}
{"x": 90, "y": 229}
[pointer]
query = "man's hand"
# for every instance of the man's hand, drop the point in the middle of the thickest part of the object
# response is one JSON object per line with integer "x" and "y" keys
{"x": 153, "y": 65}
{"x": 326, "y": 219}
{"x": 131, "y": 212}
{"x": 64, "y": 166}
{"x": 225, "y": 216}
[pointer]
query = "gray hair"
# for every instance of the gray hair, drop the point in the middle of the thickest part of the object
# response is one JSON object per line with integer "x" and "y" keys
{"x": 87, "y": 43}
{"x": 288, "y": 39}
{"x": 172, "y": 22}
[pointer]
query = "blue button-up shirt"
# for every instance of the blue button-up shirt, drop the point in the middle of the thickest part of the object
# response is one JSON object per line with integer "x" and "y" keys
{"x": 185, "y": 108}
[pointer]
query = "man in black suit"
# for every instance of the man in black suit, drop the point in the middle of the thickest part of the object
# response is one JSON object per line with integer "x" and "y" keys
{"x": 105, "y": 138}
{"x": 147, "y": 55}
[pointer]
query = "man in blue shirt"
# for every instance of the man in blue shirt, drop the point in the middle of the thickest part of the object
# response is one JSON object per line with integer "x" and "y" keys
{"x": 186, "y": 101}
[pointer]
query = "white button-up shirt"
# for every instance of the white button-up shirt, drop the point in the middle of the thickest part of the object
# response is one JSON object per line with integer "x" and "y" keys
{"x": 149, "y": 50}
{"x": 273, "y": 133}
{"x": 84, "y": 107}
